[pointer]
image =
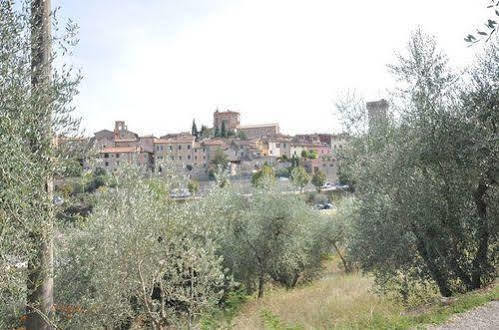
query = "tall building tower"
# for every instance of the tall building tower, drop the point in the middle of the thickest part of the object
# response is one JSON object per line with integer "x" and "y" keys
{"x": 377, "y": 112}
{"x": 230, "y": 119}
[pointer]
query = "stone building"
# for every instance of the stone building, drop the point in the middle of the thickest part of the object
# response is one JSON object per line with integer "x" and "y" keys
{"x": 112, "y": 157}
{"x": 259, "y": 131}
{"x": 377, "y": 112}
{"x": 229, "y": 119}
{"x": 103, "y": 138}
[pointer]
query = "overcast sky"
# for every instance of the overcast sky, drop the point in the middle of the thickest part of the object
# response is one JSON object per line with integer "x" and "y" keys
{"x": 160, "y": 63}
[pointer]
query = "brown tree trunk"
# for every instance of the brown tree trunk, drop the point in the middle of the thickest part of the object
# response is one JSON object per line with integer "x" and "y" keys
{"x": 435, "y": 272}
{"x": 40, "y": 265}
{"x": 345, "y": 264}
{"x": 480, "y": 262}
{"x": 261, "y": 283}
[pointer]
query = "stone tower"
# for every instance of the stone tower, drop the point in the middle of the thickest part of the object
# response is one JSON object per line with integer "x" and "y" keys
{"x": 377, "y": 112}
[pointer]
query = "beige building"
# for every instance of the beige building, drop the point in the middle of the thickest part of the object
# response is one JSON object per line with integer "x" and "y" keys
{"x": 259, "y": 131}
{"x": 113, "y": 157}
{"x": 187, "y": 154}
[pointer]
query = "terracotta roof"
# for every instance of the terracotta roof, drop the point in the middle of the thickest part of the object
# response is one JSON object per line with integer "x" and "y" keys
{"x": 121, "y": 150}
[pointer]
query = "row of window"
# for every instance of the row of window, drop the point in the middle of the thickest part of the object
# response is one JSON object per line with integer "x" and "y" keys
{"x": 106, "y": 155}
{"x": 161, "y": 148}
{"x": 180, "y": 157}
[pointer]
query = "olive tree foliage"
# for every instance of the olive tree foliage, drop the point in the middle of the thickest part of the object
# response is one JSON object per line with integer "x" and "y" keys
{"x": 490, "y": 26}
{"x": 426, "y": 181}
{"x": 300, "y": 177}
{"x": 335, "y": 231}
{"x": 268, "y": 236}
{"x": 141, "y": 259}
{"x": 264, "y": 177}
{"x": 31, "y": 114}
{"x": 319, "y": 179}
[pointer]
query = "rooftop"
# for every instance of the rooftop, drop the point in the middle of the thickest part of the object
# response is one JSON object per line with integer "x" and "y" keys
{"x": 227, "y": 112}
{"x": 258, "y": 126}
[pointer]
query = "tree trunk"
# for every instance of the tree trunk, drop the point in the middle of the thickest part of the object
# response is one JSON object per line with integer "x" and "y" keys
{"x": 435, "y": 272}
{"x": 480, "y": 261}
{"x": 345, "y": 264}
{"x": 40, "y": 265}
{"x": 295, "y": 279}
{"x": 261, "y": 283}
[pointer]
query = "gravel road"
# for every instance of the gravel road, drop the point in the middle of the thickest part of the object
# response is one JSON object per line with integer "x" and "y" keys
{"x": 484, "y": 317}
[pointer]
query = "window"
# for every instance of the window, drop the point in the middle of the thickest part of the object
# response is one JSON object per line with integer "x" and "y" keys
{"x": 204, "y": 149}
{"x": 106, "y": 156}
{"x": 161, "y": 148}
{"x": 157, "y": 148}
{"x": 118, "y": 163}
{"x": 171, "y": 148}
{"x": 117, "y": 155}
{"x": 179, "y": 157}
{"x": 173, "y": 158}
{"x": 284, "y": 145}
{"x": 107, "y": 163}
{"x": 195, "y": 157}
{"x": 179, "y": 147}
{"x": 188, "y": 156}
{"x": 188, "y": 147}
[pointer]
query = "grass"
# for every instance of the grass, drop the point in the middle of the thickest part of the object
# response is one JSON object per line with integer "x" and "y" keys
{"x": 346, "y": 301}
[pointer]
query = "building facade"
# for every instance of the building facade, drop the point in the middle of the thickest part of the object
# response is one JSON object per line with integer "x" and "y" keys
{"x": 259, "y": 131}
{"x": 113, "y": 157}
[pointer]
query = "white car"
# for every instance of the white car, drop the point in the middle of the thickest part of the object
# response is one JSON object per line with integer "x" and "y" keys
{"x": 327, "y": 185}
{"x": 180, "y": 193}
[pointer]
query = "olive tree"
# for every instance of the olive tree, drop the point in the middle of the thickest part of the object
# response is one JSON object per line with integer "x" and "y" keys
{"x": 140, "y": 260}
{"x": 36, "y": 91}
{"x": 300, "y": 177}
{"x": 426, "y": 179}
{"x": 319, "y": 179}
{"x": 272, "y": 238}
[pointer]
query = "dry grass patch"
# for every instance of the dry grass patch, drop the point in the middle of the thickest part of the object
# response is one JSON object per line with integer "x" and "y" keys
{"x": 337, "y": 301}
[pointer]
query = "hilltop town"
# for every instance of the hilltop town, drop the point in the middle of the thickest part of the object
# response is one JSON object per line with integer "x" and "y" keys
{"x": 246, "y": 147}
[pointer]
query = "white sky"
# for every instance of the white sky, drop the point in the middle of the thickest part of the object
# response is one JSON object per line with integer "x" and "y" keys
{"x": 159, "y": 64}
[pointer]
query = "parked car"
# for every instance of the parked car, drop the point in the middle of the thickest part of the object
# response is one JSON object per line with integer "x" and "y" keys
{"x": 327, "y": 185}
{"x": 180, "y": 193}
{"x": 324, "y": 206}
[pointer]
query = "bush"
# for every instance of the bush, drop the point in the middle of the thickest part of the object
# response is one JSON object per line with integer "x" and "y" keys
{"x": 138, "y": 257}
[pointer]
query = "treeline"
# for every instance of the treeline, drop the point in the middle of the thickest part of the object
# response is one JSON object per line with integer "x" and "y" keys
{"x": 144, "y": 259}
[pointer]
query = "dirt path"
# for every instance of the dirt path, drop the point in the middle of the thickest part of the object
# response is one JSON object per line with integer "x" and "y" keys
{"x": 484, "y": 317}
